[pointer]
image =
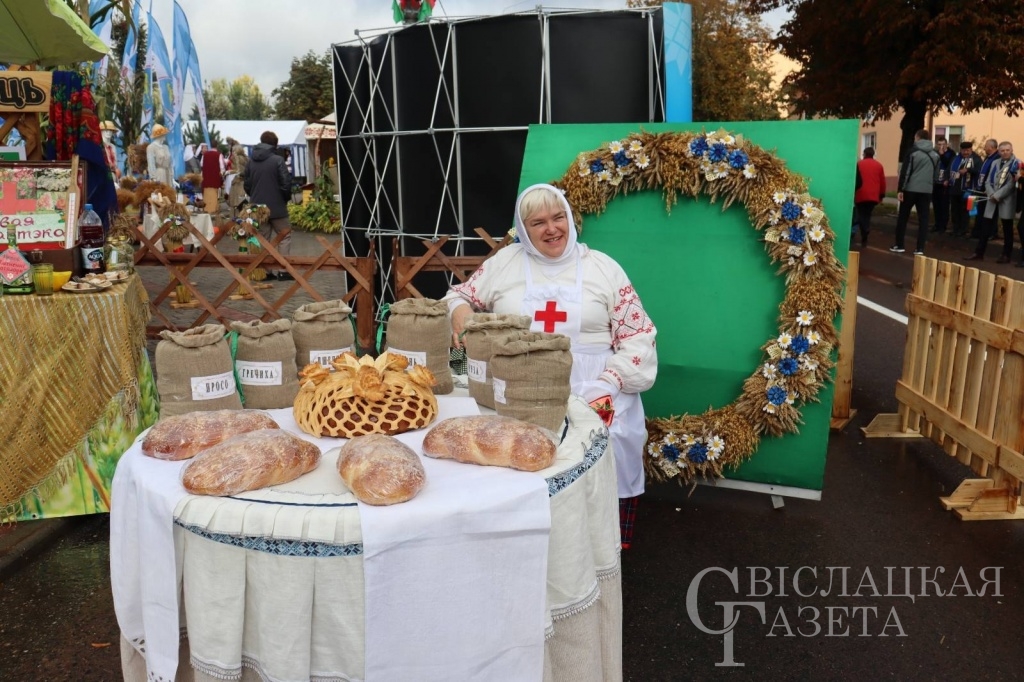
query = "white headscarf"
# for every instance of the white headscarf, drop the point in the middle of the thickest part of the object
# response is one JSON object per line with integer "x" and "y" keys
{"x": 190, "y": 152}
{"x": 571, "y": 247}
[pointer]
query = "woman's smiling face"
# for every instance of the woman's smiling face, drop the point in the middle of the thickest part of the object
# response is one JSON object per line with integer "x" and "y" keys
{"x": 548, "y": 230}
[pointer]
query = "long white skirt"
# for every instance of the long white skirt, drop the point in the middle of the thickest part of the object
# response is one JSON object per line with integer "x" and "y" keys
{"x": 628, "y": 432}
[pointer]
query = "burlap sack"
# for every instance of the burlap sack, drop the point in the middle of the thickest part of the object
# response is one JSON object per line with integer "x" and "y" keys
{"x": 482, "y": 332}
{"x": 265, "y": 363}
{"x": 194, "y": 371}
{"x": 530, "y": 372}
{"x": 419, "y": 329}
{"x": 322, "y": 331}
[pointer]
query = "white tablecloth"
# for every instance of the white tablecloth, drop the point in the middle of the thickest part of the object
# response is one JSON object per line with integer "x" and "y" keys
{"x": 202, "y": 222}
{"x": 272, "y": 582}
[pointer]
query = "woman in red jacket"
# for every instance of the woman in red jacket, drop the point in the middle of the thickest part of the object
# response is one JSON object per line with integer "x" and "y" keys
{"x": 870, "y": 191}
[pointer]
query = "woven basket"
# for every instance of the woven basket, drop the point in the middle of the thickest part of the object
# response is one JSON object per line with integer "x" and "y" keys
{"x": 364, "y": 396}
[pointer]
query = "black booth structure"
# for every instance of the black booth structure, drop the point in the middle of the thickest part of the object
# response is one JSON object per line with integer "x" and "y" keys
{"x": 433, "y": 118}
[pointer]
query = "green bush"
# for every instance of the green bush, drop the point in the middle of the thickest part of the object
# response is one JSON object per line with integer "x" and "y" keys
{"x": 315, "y": 216}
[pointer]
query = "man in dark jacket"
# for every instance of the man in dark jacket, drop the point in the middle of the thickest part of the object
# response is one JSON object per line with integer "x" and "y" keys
{"x": 267, "y": 181}
{"x": 940, "y": 194}
{"x": 917, "y": 180}
{"x": 962, "y": 174}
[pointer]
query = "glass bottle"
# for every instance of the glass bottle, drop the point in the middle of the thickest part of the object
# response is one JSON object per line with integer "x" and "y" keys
{"x": 15, "y": 270}
{"x": 118, "y": 253}
{"x": 90, "y": 229}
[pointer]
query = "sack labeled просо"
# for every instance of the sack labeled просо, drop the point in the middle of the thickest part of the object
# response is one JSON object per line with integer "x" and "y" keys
{"x": 194, "y": 371}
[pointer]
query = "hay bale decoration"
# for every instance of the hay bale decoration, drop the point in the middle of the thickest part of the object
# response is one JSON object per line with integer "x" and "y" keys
{"x": 797, "y": 237}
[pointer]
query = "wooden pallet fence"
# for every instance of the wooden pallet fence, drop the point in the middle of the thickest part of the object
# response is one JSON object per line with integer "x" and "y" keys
{"x": 405, "y": 268}
{"x": 962, "y": 384}
{"x": 842, "y": 410}
{"x": 240, "y": 266}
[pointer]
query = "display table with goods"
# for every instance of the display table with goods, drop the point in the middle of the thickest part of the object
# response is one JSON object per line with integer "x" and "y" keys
{"x": 76, "y": 388}
{"x": 484, "y": 568}
{"x": 201, "y": 221}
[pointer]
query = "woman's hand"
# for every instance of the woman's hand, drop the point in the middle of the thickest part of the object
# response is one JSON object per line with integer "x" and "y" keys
{"x": 459, "y": 317}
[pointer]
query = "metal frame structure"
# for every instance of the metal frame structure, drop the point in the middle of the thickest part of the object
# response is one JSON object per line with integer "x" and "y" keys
{"x": 378, "y": 134}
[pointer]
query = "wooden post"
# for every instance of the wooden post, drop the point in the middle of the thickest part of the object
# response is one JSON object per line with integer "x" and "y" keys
{"x": 841, "y": 410}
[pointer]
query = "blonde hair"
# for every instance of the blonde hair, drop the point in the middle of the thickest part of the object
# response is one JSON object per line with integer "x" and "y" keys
{"x": 537, "y": 199}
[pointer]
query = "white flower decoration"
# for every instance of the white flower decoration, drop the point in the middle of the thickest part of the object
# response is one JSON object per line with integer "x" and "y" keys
{"x": 810, "y": 259}
{"x": 769, "y": 371}
{"x": 808, "y": 364}
{"x": 769, "y": 408}
{"x": 773, "y": 219}
{"x": 654, "y": 450}
{"x": 688, "y": 440}
{"x": 642, "y": 161}
{"x": 817, "y": 233}
{"x": 779, "y": 197}
{"x": 584, "y": 171}
{"x": 716, "y": 445}
{"x": 635, "y": 145}
{"x": 804, "y": 318}
{"x": 729, "y": 139}
{"x": 790, "y": 398}
{"x": 784, "y": 340}
{"x": 615, "y": 147}
{"x": 813, "y": 338}
{"x": 671, "y": 439}
{"x": 604, "y": 176}
{"x": 749, "y": 172}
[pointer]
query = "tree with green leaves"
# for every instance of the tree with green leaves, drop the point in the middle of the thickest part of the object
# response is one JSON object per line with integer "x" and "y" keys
{"x": 239, "y": 100}
{"x": 732, "y": 76}
{"x": 860, "y": 57}
{"x": 193, "y": 135}
{"x": 308, "y": 92}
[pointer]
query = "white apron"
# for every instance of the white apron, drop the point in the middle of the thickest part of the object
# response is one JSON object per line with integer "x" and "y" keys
{"x": 559, "y": 309}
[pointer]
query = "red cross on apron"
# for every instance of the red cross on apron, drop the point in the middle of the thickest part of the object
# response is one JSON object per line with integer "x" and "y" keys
{"x": 550, "y": 315}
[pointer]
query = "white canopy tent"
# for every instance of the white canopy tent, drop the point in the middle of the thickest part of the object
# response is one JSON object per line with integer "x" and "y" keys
{"x": 290, "y": 135}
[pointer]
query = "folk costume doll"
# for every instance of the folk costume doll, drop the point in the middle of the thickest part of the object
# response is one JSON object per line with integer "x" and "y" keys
{"x": 569, "y": 289}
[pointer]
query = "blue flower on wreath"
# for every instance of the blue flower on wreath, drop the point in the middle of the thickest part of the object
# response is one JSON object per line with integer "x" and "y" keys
{"x": 799, "y": 345}
{"x": 777, "y": 395}
{"x": 738, "y": 159}
{"x": 671, "y": 452}
{"x": 621, "y": 159}
{"x": 789, "y": 366}
{"x": 790, "y": 211}
{"x": 698, "y": 453}
{"x": 596, "y": 166}
{"x": 717, "y": 152}
{"x": 699, "y": 146}
{"x": 797, "y": 235}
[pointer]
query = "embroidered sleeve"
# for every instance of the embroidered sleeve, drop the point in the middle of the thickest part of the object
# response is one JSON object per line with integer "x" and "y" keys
{"x": 469, "y": 291}
{"x": 633, "y": 365}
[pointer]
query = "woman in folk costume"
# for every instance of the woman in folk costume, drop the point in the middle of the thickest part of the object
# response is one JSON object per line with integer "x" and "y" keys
{"x": 569, "y": 289}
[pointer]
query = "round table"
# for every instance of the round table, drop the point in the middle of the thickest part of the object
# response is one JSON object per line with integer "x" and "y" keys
{"x": 275, "y": 583}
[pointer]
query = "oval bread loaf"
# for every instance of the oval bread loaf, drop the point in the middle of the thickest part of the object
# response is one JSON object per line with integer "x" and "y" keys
{"x": 254, "y": 460}
{"x": 491, "y": 441}
{"x": 185, "y": 435}
{"x": 380, "y": 470}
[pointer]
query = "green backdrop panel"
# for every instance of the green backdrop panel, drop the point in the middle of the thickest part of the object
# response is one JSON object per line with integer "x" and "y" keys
{"x": 704, "y": 276}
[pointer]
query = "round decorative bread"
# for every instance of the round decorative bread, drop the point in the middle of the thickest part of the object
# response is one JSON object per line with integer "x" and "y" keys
{"x": 364, "y": 396}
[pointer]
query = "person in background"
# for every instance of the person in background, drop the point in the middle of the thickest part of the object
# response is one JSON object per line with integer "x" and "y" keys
{"x": 213, "y": 179}
{"x": 267, "y": 181}
{"x": 613, "y": 339}
{"x": 982, "y": 226}
{"x": 1001, "y": 202}
{"x": 940, "y": 194}
{"x": 962, "y": 174}
{"x": 870, "y": 192}
{"x": 235, "y": 191}
{"x": 917, "y": 180}
{"x": 193, "y": 158}
{"x": 107, "y": 130}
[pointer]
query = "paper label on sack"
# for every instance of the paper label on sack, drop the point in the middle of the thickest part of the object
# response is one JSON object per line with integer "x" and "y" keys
{"x": 324, "y": 358}
{"x": 259, "y": 373}
{"x": 414, "y": 357}
{"x": 213, "y": 387}
{"x": 499, "y": 391}
{"x": 477, "y": 371}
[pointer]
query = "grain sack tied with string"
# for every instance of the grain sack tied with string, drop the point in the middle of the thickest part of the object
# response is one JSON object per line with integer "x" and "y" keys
{"x": 265, "y": 363}
{"x": 530, "y": 373}
{"x": 322, "y": 331}
{"x": 419, "y": 329}
{"x": 483, "y": 332}
{"x": 194, "y": 371}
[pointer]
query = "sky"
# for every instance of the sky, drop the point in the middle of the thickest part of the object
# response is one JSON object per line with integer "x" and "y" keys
{"x": 260, "y": 37}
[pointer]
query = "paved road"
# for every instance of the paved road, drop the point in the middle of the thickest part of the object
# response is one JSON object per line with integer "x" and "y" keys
{"x": 879, "y": 509}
